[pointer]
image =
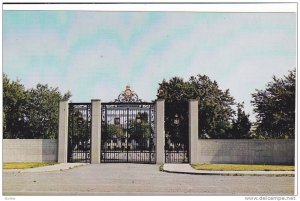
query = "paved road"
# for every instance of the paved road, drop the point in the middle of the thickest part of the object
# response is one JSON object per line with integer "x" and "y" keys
{"x": 139, "y": 179}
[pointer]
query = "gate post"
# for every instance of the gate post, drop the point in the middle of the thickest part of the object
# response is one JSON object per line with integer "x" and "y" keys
{"x": 96, "y": 131}
{"x": 160, "y": 131}
{"x": 63, "y": 132}
{"x": 193, "y": 131}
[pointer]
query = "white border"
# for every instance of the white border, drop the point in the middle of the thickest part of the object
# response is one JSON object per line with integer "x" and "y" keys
{"x": 234, "y": 6}
{"x": 197, "y": 7}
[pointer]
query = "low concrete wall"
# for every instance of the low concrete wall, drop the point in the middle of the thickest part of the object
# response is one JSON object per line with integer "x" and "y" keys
{"x": 29, "y": 150}
{"x": 246, "y": 151}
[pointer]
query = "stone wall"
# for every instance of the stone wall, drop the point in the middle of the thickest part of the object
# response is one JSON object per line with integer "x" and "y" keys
{"x": 29, "y": 150}
{"x": 246, "y": 151}
{"x": 208, "y": 151}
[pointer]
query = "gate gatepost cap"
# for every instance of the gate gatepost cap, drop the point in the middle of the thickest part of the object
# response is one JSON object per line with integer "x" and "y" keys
{"x": 96, "y": 100}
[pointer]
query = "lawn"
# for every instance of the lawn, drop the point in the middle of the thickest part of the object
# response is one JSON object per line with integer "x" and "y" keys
{"x": 24, "y": 165}
{"x": 243, "y": 167}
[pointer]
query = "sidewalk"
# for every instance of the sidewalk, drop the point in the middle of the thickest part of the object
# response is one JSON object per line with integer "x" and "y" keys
{"x": 50, "y": 168}
{"x": 187, "y": 169}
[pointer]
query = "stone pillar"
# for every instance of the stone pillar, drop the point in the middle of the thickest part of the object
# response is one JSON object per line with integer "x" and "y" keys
{"x": 63, "y": 132}
{"x": 193, "y": 131}
{"x": 160, "y": 131}
{"x": 96, "y": 132}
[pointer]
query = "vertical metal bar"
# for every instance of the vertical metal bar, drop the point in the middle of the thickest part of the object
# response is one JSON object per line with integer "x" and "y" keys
{"x": 122, "y": 134}
{"x": 89, "y": 143}
{"x": 127, "y": 130}
{"x": 86, "y": 134}
{"x": 72, "y": 135}
{"x": 136, "y": 141}
{"x": 149, "y": 137}
{"x": 70, "y": 131}
{"x": 106, "y": 132}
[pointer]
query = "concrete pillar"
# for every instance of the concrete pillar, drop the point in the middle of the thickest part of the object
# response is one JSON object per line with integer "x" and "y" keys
{"x": 63, "y": 132}
{"x": 96, "y": 132}
{"x": 193, "y": 131}
{"x": 160, "y": 131}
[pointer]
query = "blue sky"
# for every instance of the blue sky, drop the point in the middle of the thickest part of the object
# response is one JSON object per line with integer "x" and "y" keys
{"x": 96, "y": 54}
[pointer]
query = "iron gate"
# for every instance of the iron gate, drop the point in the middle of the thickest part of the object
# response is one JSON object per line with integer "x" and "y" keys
{"x": 127, "y": 133}
{"x": 79, "y": 132}
{"x": 176, "y": 132}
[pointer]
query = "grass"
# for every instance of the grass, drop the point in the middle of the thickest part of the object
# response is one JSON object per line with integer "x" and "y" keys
{"x": 243, "y": 167}
{"x": 25, "y": 165}
{"x": 161, "y": 167}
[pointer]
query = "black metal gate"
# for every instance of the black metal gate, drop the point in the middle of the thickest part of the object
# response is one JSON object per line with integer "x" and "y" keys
{"x": 176, "y": 132}
{"x": 127, "y": 132}
{"x": 79, "y": 132}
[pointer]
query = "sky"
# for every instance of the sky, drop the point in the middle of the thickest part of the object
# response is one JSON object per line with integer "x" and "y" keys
{"x": 96, "y": 54}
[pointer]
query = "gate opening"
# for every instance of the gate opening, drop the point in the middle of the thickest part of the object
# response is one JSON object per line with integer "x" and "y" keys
{"x": 176, "y": 132}
{"x": 79, "y": 133}
{"x": 127, "y": 130}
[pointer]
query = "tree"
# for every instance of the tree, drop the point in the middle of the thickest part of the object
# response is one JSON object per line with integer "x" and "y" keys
{"x": 215, "y": 105}
{"x": 43, "y": 109}
{"x": 139, "y": 131}
{"x": 275, "y": 107}
{"x": 30, "y": 113}
{"x": 241, "y": 125}
{"x": 80, "y": 126}
{"x": 15, "y": 100}
{"x": 115, "y": 131}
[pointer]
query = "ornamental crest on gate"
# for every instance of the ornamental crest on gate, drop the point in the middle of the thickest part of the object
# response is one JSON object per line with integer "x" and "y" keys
{"x": 128, "y": 96}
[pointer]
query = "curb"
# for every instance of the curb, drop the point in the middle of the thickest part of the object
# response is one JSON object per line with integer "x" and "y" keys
{"x": 246, "y": 173}
{"x": 230, "y": 174}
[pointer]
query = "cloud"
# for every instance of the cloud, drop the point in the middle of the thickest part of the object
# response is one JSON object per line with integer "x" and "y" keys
{"x": 96, "y": 54}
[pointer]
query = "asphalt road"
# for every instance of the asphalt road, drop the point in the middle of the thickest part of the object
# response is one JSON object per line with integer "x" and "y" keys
{"x": 139, "y": 179}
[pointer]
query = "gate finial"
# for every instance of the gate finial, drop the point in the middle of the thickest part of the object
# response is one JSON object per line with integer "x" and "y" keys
{"x": 128, "y": 96}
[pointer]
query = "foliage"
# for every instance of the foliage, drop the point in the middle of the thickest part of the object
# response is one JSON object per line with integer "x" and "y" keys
{"x": 139, "y": 130}
{"x": 161, "y": 167}
{"x": 30, "y": 113}
{"x": 15, "y": 100}
{"x": 115, "y": 130}
{"x": 176, "y": 122}
{"x": 241, "y": 125}
{"x": 216, "y": 112}
{"x": 80, "y": 126}
{"x": 275, "y": 108}
{"x": 43, "y": 109}
{"x": 110, "y": 131}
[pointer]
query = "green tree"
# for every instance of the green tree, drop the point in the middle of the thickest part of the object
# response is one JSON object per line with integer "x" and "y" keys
{"x": 216, "y": 113}
{"x": 215, "y": 107}
{"x": 43, "y": 109}
{"x": 275, "y": 108}
{"x": 176, "y": 122}
{"x": 15, "y": 101}
{"x": 241, "y": 125}
{"x": 30, "y": 113}
{"x": 112, "y": 131}
{"x": 115, "y": 131}
{"x": 139, "y": 130}
{"x": 79, "y": 124}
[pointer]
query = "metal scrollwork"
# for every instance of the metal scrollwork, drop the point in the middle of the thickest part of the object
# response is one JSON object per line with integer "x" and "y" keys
{"x": 128, "y": 96}
{"x": 79, "y": 132}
